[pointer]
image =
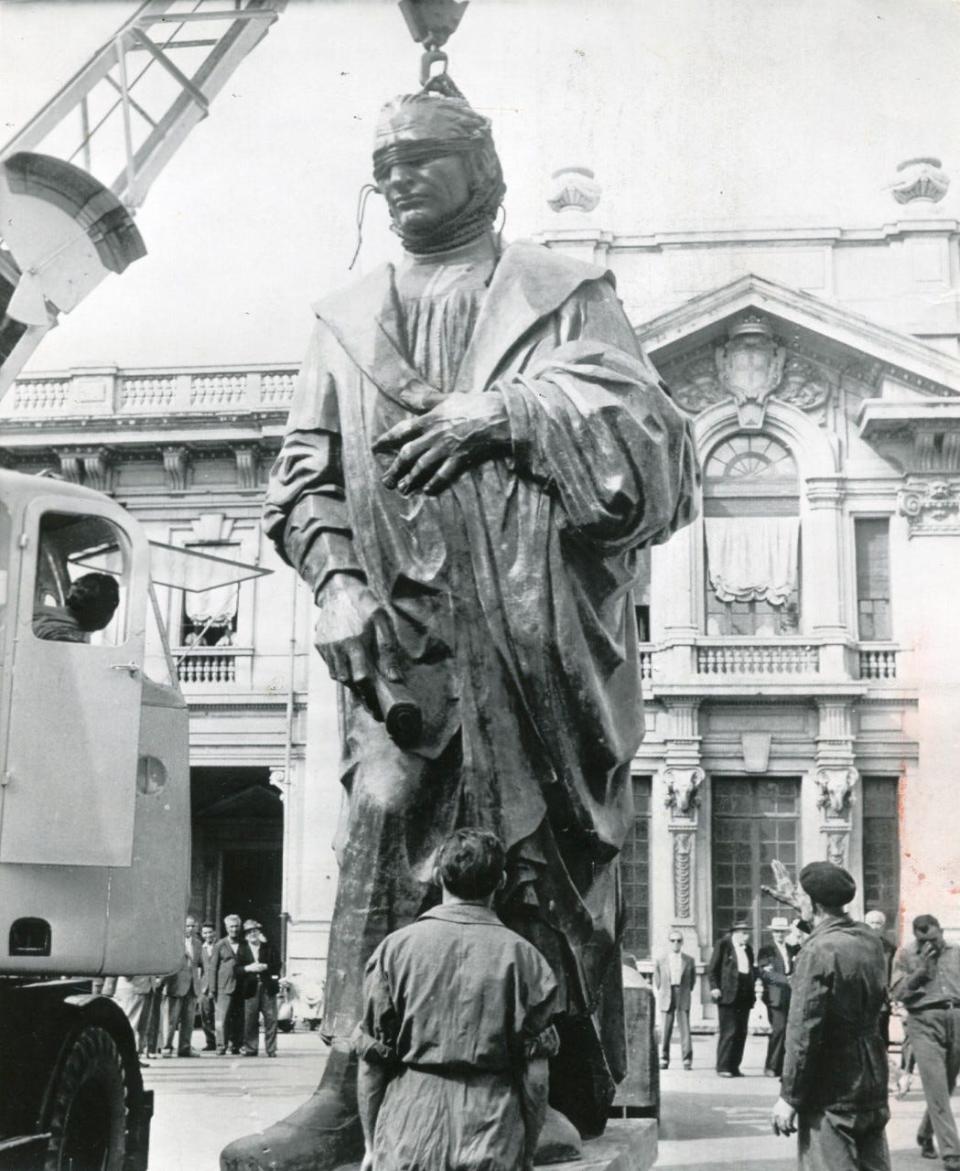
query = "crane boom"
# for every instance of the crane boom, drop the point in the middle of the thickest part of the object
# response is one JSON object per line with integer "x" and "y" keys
{"x": 72, "y": 177}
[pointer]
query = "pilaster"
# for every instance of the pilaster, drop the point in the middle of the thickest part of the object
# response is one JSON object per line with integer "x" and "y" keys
{"x": 823, "y": 600}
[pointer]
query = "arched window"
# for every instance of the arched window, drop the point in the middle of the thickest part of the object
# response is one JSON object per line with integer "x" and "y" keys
{"x": 752, "y": 528}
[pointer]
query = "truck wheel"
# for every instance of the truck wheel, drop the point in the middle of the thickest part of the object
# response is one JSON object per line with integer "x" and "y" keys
{"x": 89, "y": 1115}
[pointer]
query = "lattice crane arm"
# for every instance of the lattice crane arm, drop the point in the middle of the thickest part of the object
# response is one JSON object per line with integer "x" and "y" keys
{"x": 71, "y": 178}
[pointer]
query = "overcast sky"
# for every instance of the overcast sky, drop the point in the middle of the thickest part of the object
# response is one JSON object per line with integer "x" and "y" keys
{"x": 693, "y": 113}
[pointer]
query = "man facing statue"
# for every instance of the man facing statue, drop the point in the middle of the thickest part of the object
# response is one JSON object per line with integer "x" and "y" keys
{"x": 475, "y": 454}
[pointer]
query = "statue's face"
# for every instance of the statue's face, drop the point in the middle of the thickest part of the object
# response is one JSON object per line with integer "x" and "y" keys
{"x": 425, "y": 195}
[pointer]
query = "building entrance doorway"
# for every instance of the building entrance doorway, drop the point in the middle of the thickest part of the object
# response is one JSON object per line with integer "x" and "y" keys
{"x": 755, "y": 820}
{"x": 237, "y": 836}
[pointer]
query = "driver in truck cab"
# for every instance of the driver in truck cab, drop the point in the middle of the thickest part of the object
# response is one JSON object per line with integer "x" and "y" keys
{"x": 91, "y": 603}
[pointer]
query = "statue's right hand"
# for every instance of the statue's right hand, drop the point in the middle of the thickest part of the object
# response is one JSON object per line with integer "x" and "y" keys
{"x": 355, "y": 637}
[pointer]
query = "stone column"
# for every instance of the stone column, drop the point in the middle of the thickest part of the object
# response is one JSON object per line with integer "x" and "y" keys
{"x": 834, "y": 787}
{"x": 675, "y": 585}
{"x": 822, "y": 599}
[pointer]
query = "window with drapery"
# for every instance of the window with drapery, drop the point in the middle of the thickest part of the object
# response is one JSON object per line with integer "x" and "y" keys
{"x": 210, "y": 616}
{"x": 752, "y": 534}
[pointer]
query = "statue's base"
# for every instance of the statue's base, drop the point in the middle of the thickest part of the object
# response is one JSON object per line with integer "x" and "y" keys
{"x": 626, "y": 1145}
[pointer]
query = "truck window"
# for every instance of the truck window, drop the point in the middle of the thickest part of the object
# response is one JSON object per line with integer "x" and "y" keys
{"x": 83, "y": 569}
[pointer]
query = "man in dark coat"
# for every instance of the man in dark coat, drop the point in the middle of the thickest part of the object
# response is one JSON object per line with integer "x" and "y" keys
{"x": 834, "y": 1086}
{"x": 259, "y": 961}
{"x": 733, "y": 977}
{"x": 226, "y": 980}
{"x": 476, "y": 454}
{"x": 776, "y": 962}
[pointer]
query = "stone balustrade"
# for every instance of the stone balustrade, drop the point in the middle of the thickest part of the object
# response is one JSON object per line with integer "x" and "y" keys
{"x": 107, "y": 391}
{"x": 878, "y": 662}
{"x": 781, "y": 658}
{"x": 206, "y": 667}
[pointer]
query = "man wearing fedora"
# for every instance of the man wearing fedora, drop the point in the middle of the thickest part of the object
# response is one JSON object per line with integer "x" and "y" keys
{"x": 834, "y": 1085}
{"x": 732, "y": 978}
{"x": 776, "y": 963}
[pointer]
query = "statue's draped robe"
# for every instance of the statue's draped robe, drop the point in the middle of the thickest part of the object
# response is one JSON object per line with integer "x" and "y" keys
{"x": 511, "y": 593}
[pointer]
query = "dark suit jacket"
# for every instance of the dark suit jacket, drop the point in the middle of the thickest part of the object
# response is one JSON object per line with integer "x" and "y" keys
{"x": 252, "y": 981}
{"x": 224, "y": 971}
{"x": 186, "y": 979}
{"x": 723, "y": 971}
{"x": 661, "y": 982}
{"x": 776, "y": 982}
{"x": 206, "y": 970}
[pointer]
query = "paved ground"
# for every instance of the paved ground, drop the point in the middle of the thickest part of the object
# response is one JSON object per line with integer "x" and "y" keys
{"x": 707, "y": 1123}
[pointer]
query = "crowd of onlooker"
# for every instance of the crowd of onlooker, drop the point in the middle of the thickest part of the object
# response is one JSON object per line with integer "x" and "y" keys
{"x": 231, "y": 982}
{"x": 832, "y": 988}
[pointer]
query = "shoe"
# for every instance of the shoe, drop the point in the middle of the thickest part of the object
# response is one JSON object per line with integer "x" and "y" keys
{"x": 688, "y": 1065}
{"x": 248, "y": 1052}
{"x": 769, "y": 1073}
{"x": 927, "y": 1149}
{"x": 144, "y": 1064}
{"x": 209, "y": 1049}
{"x": 273, "y": 1054}
{"x": 221, "y": 1052}
{"x": 664, "y": 1064}
{"x": 152, "y": 1055}
{"x": 234, "y": 1051}
{"x": 166, "y": 1053}
{"x": 724, "y": 1073}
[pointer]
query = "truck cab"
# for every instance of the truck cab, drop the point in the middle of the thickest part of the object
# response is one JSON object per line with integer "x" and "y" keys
{"x": 94, "y": 822}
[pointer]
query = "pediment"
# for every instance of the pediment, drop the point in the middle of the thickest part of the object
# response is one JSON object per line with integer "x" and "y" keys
{"x": 756, "y": 339}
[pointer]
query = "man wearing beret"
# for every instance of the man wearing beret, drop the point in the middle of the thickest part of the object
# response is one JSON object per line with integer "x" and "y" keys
{"x": 926, "y": 980}
{"x": 732, "y": 979}
{"x": 834, "y": 1086}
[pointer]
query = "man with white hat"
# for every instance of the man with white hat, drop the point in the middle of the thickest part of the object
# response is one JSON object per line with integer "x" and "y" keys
{"x": 776, "y": 963}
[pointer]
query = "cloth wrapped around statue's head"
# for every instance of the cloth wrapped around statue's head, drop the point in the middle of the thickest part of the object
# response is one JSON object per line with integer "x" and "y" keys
{"x": 416, "y": 127}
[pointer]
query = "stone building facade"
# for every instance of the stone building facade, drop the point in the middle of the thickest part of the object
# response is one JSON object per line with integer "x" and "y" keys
{"x": 801, "y": 653}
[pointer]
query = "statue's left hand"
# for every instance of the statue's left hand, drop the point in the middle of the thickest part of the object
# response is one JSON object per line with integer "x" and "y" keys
{"x": 434, "y": 448}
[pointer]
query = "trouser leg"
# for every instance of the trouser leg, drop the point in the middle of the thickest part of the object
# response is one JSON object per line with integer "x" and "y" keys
{"x": 268, "y": 1006}
{"x": 152, "y": 1026}
{"x": 930, "y": 1039}
{"x": 223, "y": 1020}
{"x": 169, "y": 1021}
{"x": 686, "y": 1042}
{"x": 825, "y": 1143}
{"x": 251, "y": 1022}
{"x": 726, "y": 1014}
{"x": 188, "y": 1010}
{"x": 208, "y": 1017}
{"x": 775, "y": 1046}
{"x": 666, "y": 1029}
{"x": 135, "y": 1007}
{"x": 739, "y": 1039}
{"x": 398, "y": 809}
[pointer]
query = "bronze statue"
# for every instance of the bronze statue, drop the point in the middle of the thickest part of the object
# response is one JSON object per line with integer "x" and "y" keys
{"x": 476, "y": 452}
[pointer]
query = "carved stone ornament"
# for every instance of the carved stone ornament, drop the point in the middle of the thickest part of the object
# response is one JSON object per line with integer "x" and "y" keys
{"x": 574, "y": 189}
{"x": 750, "y": 367}
{"x": 682, "y": 790}
{"x": 931, "y": 506}
{"x": 175, "y": 467}
{"x": 837, "y": 843}
{"x": 920, "y": 179}
{"x": 683, "y": 875}
{"x": 836, "y": 791}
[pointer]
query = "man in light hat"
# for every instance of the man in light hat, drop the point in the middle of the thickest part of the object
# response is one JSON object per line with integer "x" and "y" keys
{"x": 260, "y": 963}
{"x": 475, "y": 455}
{"x": 834, "y": 1086}
{"x": 776, "y": 962}
{"x": 732, "y": 977}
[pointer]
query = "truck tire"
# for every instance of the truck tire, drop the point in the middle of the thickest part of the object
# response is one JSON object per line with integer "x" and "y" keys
{"x": 88, "y": 1118}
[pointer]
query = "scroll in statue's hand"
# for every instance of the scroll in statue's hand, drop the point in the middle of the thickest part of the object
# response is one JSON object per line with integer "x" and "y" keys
{"x": 355, "y": 637}
{"x": 432, "y": 449}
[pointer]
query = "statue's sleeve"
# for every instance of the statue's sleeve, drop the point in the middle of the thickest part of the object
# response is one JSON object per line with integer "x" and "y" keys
{"x": 305, "y": 510}
{"x": 590, "y": 419}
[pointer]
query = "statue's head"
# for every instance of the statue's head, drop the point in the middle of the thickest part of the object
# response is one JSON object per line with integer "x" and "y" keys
{"x": 435, "y": 163}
